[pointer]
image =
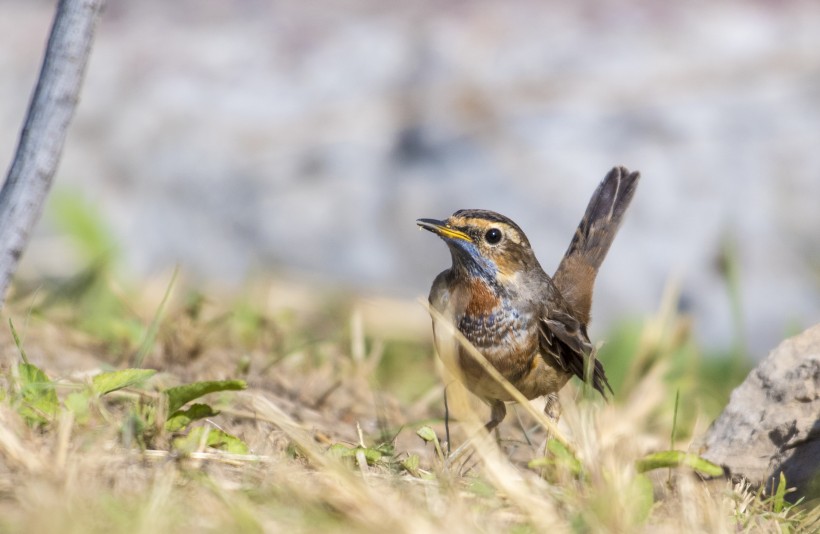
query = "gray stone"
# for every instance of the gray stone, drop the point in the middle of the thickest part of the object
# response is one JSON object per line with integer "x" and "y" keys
{"x": 772, "y": 422}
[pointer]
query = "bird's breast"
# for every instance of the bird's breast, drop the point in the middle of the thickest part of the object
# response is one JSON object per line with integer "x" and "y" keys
{"x": 503, "y": 329}
{"x": 490, "y": 318}
{"x": 499, "y": 329}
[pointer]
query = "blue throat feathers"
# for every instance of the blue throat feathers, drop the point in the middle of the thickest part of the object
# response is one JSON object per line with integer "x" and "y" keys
{"x": 467, "y": 256}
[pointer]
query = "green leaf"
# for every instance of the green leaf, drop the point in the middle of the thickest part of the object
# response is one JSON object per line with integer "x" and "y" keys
{"x": 560, "y": 455}
{"x": 112, "y": 381}
{"x": 371, "y": 455}
{"x": 182, "y": 418}
{"x": 564, "y": 456}
{"x": 180, "y": 395}
{"x": 340, "y": 450}
{"x": 226, "y": 442}
{"x": 660, "y": 460}
{"x": 77, "y": 402}
{"x": 426, "y": 433}
{"x": 216, "y": 439}
{"x": 411, "y": 464}
{"x": 38, "y": 399}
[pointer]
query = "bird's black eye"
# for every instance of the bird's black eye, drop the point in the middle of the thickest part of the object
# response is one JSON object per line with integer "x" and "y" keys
{"x": 493, "y": 236}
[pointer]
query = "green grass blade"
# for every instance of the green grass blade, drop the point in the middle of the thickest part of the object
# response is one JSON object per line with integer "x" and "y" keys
{"x": 779, "y": 497}
{"x": 675, "y": 420}
{"x": 153, "y": 328}
{"x": 661, "y": 460}
{"x": 17, "y": 342}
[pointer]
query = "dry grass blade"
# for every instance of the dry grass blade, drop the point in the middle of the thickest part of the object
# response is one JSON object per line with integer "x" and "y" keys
{"x": 347, "y": 490}
{"x": 12, "y": 445}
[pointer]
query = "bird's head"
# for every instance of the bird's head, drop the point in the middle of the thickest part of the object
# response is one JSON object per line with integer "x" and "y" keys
{"x": 484, "y": 243}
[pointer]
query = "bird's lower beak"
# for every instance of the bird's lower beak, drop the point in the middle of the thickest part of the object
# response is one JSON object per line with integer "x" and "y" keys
{"x": 440, "y": 228}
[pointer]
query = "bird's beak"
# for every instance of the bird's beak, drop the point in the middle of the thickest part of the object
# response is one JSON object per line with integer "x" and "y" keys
{"x": 440, "y": 228}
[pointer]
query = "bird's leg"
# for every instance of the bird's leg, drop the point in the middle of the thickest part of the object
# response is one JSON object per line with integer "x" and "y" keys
{"x": 498, "y": 411}
{"x": 552, "y": 409}
{"x": 446, "y": 421}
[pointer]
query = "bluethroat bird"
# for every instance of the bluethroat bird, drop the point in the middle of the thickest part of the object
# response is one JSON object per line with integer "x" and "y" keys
{"x": 531, "y": 327}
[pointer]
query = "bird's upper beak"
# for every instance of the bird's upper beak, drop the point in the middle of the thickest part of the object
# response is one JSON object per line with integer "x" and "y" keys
{"x": 441, "y": 229}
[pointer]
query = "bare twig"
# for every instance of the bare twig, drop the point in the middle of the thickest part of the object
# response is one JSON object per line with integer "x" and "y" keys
{"x": 44, "y": 131}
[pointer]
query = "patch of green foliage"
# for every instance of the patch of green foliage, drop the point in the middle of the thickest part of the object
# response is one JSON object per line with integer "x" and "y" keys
{"x": 90, "y": 297}
{"x": 758, "y": 508}
{"x": 703, "y": 381}
{"x": 157, "y": 417}
{"x": 32, "y": 393}
{"x": 34, "y": 396}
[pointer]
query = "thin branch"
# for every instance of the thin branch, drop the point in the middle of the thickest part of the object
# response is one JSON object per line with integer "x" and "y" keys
{"x": 44, "y": 131}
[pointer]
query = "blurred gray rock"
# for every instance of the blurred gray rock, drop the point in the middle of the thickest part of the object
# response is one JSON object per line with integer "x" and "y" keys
{"x": 772, "y": 422}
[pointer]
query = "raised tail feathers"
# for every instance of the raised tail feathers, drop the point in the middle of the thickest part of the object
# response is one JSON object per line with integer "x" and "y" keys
{"x": 577, "y": 271}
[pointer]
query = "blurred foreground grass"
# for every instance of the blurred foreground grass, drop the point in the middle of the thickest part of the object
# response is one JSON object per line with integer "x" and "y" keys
{"x": 328, "y": 432}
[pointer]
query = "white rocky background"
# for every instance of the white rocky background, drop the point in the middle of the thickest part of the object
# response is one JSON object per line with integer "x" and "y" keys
{"x": 304, "y": 137}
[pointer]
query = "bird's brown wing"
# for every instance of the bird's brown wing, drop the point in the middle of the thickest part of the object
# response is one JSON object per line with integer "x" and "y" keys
{"x": 563, "y": 338}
